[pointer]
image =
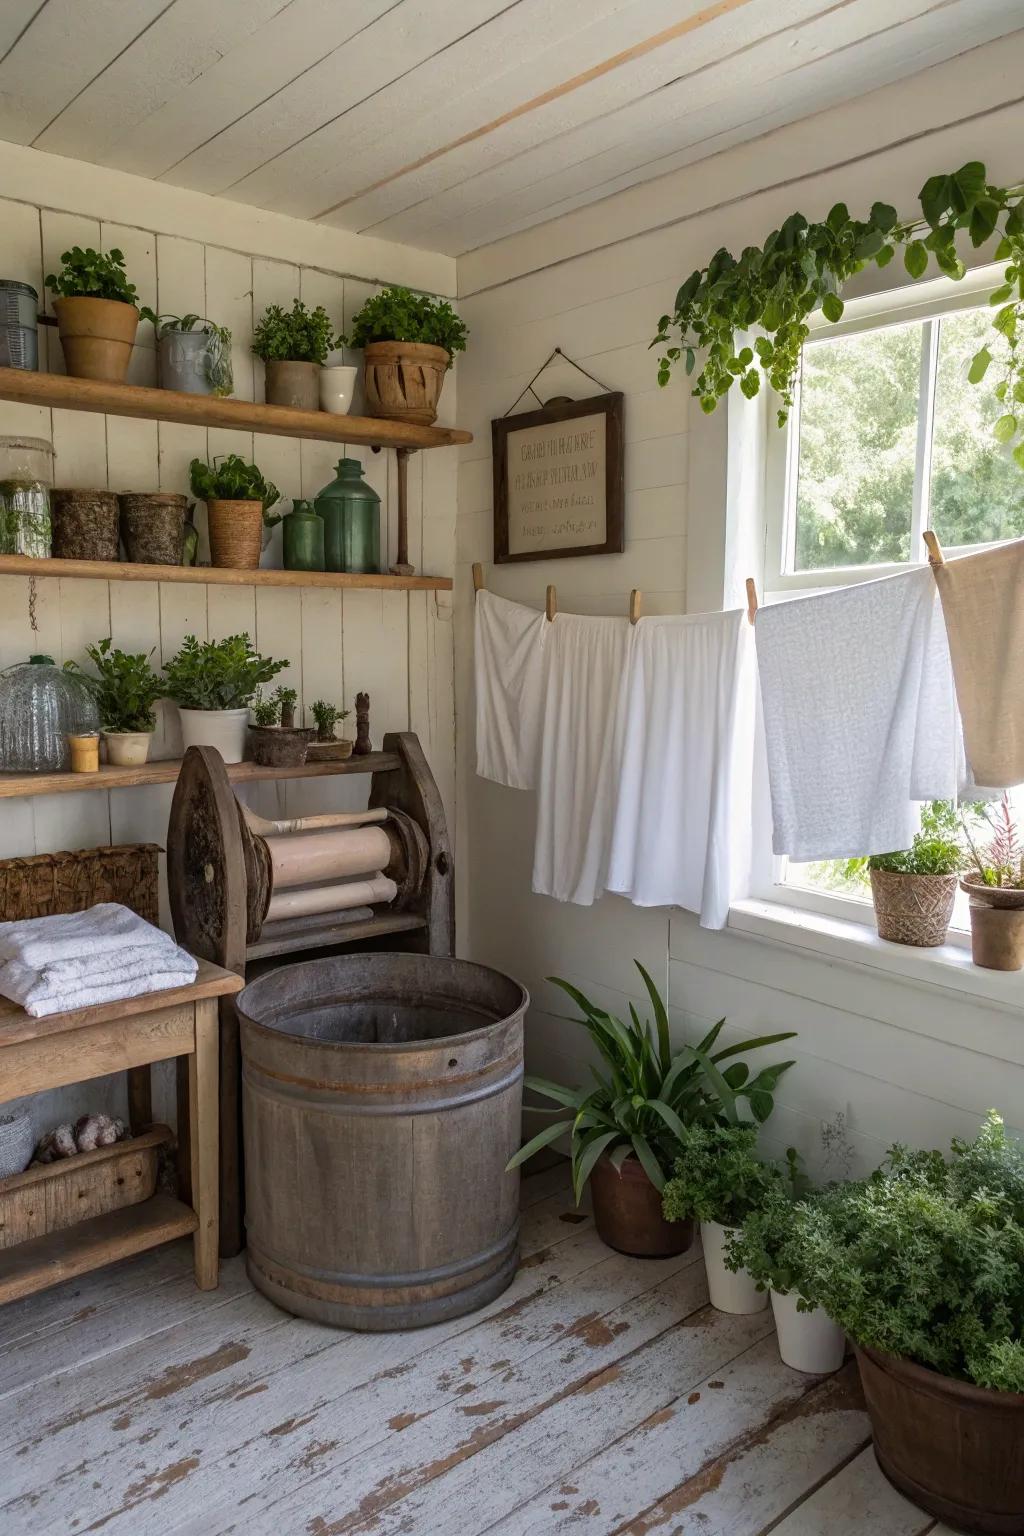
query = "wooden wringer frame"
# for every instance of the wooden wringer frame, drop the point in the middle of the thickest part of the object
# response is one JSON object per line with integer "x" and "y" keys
{"x": 245, "y": 891}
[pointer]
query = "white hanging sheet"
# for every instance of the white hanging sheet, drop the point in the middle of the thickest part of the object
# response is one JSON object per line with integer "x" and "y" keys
{"x": 508, "y": 659}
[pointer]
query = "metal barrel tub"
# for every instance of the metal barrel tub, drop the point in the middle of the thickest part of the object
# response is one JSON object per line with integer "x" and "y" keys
{"x": 381, "y": 1102}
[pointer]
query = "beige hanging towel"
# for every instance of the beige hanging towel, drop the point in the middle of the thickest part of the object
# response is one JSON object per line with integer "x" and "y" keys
{"x": 983, "y": 605}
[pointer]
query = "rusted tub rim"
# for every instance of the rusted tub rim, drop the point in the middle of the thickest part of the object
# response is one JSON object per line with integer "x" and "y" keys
{"x": 384, "y": 1046}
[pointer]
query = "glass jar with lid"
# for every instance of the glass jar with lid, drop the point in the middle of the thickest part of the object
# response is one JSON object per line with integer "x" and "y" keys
{"x": 26, "y": 475}
{"x": 40, "y": 706}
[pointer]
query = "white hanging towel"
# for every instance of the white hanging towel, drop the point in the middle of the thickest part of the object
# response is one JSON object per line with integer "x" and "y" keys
{"x": 684, "y": 791}
{"x": 585, "y": 668}
{"x": 509, "y": 657}
{"x": 860, "y": 715}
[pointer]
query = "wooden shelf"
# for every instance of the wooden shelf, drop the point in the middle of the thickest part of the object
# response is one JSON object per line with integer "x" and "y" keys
{"x": 166, "y": 772}
{"x": 56, "y": 391}
{"x": 208, "y": 575}
{"x": 283, "y": 942}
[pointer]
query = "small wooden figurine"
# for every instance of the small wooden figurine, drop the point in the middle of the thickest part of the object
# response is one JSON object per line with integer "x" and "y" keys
{"x": 363, "y": 746}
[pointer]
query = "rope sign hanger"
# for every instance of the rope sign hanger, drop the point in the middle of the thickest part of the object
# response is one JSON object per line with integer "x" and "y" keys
{"x": 529, "y": 390}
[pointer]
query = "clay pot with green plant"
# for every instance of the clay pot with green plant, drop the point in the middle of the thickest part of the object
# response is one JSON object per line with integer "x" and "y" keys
{"x": 408, "y": 340}
{"x": 125, "y": 688}
{"x": 293, "y": 346}
{"x": 274, "y": 739}
{"x": 213, "y": 682}
{"x": 193, "y": 355}
{"x": 238, "y": 498}
{"x": 995, "y": 884}
{"x": 97, "y": 317}
{"x": 914, "y": 890}
{"x": 624, "y": 1134}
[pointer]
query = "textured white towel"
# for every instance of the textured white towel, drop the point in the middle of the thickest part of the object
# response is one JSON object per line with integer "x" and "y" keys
{"x": 107, "y": 927}
{"x": 679, "y": 826}
{"x": 509, "y": 657}
{"x": 82, "y": 983}
{"x": 585, "y": 670}
{"x": 859, "y": 715}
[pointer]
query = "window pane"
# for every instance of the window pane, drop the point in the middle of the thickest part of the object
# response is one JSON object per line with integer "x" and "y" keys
{"x": 976, "y": 489}
{"x": 858, "y": 443}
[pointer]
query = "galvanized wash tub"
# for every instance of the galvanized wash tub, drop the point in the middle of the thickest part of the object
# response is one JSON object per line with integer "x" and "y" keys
{"x": 381, "y": 1102}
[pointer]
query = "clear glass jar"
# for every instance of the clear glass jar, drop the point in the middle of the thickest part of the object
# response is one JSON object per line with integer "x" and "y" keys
{"x": 26, "y": 475}
{"x": 40, "y": 704}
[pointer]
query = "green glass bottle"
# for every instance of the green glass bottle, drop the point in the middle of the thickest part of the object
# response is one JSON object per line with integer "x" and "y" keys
{"x": 351, "y": 513}
{"x": 303, "y": 535}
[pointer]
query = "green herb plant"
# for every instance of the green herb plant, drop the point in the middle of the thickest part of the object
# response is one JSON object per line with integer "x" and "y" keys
{"x": 218, "y": 674}
{"x": 299, "y": 336}
{"x": 125, "y": 687}
{"x": 265, "y": 712}
{"x": 230, "y": 478}
{"x": 999, "y": 864}
{"x": 217, "y": 357}
{"x": 398, "y": 314}
{"x": 89, "y": 274}
{"x": 650, "y": 1093}
{"x": 286, "y": 700}
{"x": 718, "y": 1175}
{"x": 939, "y": 848}
{"x": 325, "y": 717}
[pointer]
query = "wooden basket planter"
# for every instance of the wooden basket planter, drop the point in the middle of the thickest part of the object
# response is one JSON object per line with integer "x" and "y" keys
{"x": 236, "y": 533}
{"x": 913, "y": 909}
{"x": 57, "y": 1195}
{"x": 403, "y": 380}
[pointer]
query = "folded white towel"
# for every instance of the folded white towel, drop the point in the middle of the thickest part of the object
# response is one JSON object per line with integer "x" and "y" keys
{"x": 107, "y": 927}
{"x": 69, "y": 984}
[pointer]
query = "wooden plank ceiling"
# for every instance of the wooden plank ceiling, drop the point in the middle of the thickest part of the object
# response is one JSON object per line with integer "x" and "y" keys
{"x": 445, "y": 124}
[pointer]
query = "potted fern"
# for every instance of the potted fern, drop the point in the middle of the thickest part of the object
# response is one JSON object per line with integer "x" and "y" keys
{"x": 238, "y": 498}
{"x": 408, "y": 341}
{"x": 293, "y": 346}
{"x": 96, "y": 313}
{"x": 995, "y": 885}
{"x": 125, "y": 688}
{"x": 213, "y": 682}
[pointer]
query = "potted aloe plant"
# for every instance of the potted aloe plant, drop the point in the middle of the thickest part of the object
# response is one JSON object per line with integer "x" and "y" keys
{"x": 213, "y": 682}
{"x": 274, "y": 739}
{"x": 193, "y": 354}
{"x": 238, "y": 498}
{"x": 293, "y": 345}
{"x": 125, "y": 688}
{"x": 97, "y": 317}
{"x": 408, "y": 341}
{"x": 922, "y": 1265}
{"x": 995, "y": 884}
{"x": 624, "y": 1134}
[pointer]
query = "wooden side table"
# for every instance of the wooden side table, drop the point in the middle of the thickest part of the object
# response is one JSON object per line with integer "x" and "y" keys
{"x": 36, "y": 1054}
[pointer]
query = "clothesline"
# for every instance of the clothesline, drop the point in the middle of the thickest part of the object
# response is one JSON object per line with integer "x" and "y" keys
{"x": 551, "y": 596}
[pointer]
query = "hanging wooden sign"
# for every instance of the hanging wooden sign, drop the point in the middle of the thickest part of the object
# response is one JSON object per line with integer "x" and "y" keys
{"x": 558, "y": 480}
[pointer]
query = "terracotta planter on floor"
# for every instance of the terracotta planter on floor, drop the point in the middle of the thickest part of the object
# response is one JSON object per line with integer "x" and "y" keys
{"x": 97, "y": 336}
{"x": 954, "y": 1449}
{"x": 404, "y": 379}
{"x": 627, "y": 1213}
{"x": 295, "y": 385}
{"x": 236, "y": 534}
{"x": 913, "y": 909}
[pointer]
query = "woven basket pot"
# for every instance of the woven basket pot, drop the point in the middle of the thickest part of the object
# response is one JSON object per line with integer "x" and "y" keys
{"x": 236, "y": 534}
{"x": 403, "y": 380}
{"x": 913, "y": 909}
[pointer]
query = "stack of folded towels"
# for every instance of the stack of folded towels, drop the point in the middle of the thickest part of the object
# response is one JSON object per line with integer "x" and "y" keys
{"x": 80, "y": 959}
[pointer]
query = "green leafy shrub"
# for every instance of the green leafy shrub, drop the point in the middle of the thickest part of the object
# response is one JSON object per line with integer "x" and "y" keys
{"x": 89, "y": 274}
{"x": 265, "y": 711}
{"x": 325, "y": 717}
{"x": 125, "y": 687}
{"x": 286, "y": 700}
{"x": 398, "y": 314}
{"x": 218, "y": 674}
{"x": 650, "y": 1093}
{"x": 301, "y": 336}
{"x": 718, "y": 1175}
{"x": 936, "y": 850}
{"x": 230, "y": 478}
{"x": 925, "y": 1259}
{"x": 771, "y": 1243}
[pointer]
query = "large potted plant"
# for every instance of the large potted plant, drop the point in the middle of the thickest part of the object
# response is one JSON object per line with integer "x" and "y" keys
{"x": 96, "y": 313}
{"x": 293, "y": 346}
{"x": 238, "y": 498}
{"x": 624, "y": 1133}
{"x": 922, "y": 1264}
{"x": 193, "y": 354}
{"x": 125, "y": 688}
{"x": 409, "y": 340}
{"x": 995, "y": 884}
{"x": 213, "y": 682}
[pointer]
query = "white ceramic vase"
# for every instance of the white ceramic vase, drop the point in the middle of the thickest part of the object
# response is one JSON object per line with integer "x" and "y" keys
{"x": 127, "y": 749}
{"x": 337, "y": 385}
{"x": 808, "y": 1341}
{"x": 727, "y": 1292}
{"x": 224, "y": 729}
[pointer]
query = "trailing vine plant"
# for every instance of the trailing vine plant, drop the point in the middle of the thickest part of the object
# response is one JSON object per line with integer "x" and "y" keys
{"x": 802, "y": 267}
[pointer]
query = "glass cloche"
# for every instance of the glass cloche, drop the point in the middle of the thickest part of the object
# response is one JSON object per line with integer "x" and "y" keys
{"x": 39, "y": 705}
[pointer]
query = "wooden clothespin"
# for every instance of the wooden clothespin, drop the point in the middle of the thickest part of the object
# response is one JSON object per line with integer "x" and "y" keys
{"x": 751, "y": 599}
{"x": 935, "y": 555}
{"x": 478, "y": 577}
{"x": 635, "y": 603}
{"x": 551, "y": 603}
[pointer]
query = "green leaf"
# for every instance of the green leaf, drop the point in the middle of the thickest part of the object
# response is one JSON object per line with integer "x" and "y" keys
{"x": 885, "y": 255}
{"x": 669, "y": 1116}
{"x": 569, "y": 1097}
{"x": 750, "y": 383}
{"x": 543, "y": 1138}
{"x": 1001, "y": 295}
{"x": 884, "y": 217}
{"x": 582, "y": 1166}
{"x": 979, "y": 366}
{"x": 1005, "y": 429}
{"x": 1018, "y": 455}
{"x": 649, "y": 1162}
{"x": 721, "y": 1088}
{"x": 660, "y": 1018}
{"x": 838, "y": 215}
{"x": 983, "y": 220}
{"x": 915, "y": 258}
{"x": 832, "y": 307}
{"x": 687, "y": 291}
{"x": 968, "y": 185}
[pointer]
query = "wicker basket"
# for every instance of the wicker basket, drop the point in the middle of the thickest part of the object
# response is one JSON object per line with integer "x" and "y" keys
{"x": 236, "y": 534}
{"x": 913, "y": 909}
{"x": 51, "y": 1196}
{"x": 45, "y": 883}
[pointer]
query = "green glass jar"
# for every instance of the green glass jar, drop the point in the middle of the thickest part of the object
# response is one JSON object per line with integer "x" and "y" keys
{"x": 303, "y": 537}
{"x": 351, "y": 513}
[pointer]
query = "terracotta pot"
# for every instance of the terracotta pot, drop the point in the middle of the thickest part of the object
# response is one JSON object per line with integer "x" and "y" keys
{"x": 278, "y": 746}
{"x": 403, "y": 380}
{"x": 236, "y": 534}
{"x": 997, "y": 926}
{"x": 913, "y": 909}
{"x": 954, "y": 1449}
{"x": 153, "y": 526}
{"x": 627, "y": 1213}
{"x": 97, "y": 336}
{"x": 1004, "y": 897}
{"x": 296, "y": 385}
{"x": 86, "y": 524}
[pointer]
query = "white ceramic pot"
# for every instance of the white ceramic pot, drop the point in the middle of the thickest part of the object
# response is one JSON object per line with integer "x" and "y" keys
{"x": 727, "y": 1292}
{"x": 224, "y": 729}
{"x": 127, "y": 749}
{"x": 337, "y": 385}
{"x": 808, "y": 1341}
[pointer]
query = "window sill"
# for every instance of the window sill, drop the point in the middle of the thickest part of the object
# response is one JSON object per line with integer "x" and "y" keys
{"x": 949, "y": 967}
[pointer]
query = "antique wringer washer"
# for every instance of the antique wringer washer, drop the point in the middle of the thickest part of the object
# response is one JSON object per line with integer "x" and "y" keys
{"x": 245, "y": 891}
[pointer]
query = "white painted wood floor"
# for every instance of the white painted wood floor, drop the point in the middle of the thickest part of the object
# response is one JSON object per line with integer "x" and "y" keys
{"x": 598, "y": 1395}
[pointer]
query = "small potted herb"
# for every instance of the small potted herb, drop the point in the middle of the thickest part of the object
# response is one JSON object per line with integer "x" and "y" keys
{"x": 213, "y": 682}
{"x": 125, "y": 689}
{"x": 409, "y": 340}
{"x": 274, "y": 739}
{"x": 96, "y": 313}
{"x": 237, "y": 498}
{"x": 327, "y": 745}
{"x": 995, "y": 884}
{"x": 914, "y": 890}
{"x": 193, "y": 355}
{"x": 293, "y": 346}
{"x": 286, "y": 698}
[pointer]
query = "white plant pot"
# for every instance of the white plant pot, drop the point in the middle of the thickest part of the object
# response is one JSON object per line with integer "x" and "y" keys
{"x": 337, "y": 386}
{"x": 127, "y": 749}
{"x": 727, "y": 1292}
{"x": 224, "y": 729}
{"x": 808, "y": 1341}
